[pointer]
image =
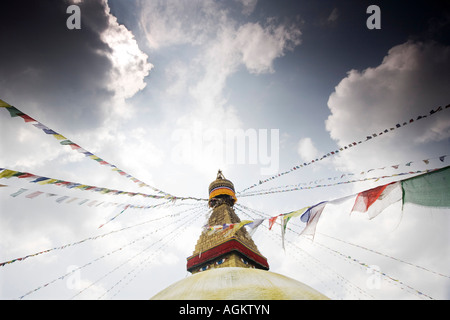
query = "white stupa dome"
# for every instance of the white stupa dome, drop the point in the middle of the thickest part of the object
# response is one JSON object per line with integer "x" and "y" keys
{"x": 234, "y": 283}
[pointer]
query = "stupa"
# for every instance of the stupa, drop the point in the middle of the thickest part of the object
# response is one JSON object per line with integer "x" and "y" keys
{"x": 228, "y": 265}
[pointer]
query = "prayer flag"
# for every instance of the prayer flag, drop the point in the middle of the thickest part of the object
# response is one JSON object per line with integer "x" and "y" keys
{"x": 254, "y": 225}
{"x": 294, "y": 214}
{"x": 49, "y": 131}
{"x": 7, "y": 173}
{"x": 34, "y": 194}
{"x": 25, "y": 175}
{"x": 312, "y": 216}
{"x": 72, "y": 200}
{"x": 272, "y": 221}
{"x": 14, "y": 112}
{"x": 4, "y": 104}
{"x": 374, "y": 201}
{"x": 40, "y": 126}
{"x": 59, "y": 137}
{"x": 26, "y": 118}
{"x": 39, "y": 179}
{"x": 66, "y": 142}
{"x": 15, "y": 194}
{"x": 432, "y": 189}
{"x": 48, "y": 181}
{"x": 61, "y": 199}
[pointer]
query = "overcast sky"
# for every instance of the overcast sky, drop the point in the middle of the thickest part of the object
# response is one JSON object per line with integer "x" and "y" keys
{"x": 158, "y": 87}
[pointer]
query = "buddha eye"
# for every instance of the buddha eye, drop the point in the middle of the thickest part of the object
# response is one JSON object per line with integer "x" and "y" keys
{"x": 220, "y": 261}
{"x": 204, "y": 268}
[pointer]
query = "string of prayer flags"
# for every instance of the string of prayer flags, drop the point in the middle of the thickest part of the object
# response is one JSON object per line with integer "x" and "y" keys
{"x": 7, "y": 174}
{"x": 126, "y": 207}
{"x": 2, "y": 264}
{"x": 14, "y": 112}
{"x": 91, "y": 203}
{"x": 318, "y": 181}
{"x": 349, "y": 146}
{"x": 310, "y": 185}
{"x": 429, "y": 189}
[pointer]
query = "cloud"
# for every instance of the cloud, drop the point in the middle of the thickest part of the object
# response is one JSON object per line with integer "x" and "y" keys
{"x": 129, "y": 63}
{"x": 260, "y": 46}
{"x": 212, "y": 45}
{"x": 307, "y": 150}
{"x": 68, "y": 74}
{"x": 410, "y": 81}
{"x": 247, "y": 6}
{"x": 167, "y": 23}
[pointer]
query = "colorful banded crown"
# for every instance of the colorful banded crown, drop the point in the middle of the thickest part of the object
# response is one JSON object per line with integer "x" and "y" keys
{"x": 221, "y": 188}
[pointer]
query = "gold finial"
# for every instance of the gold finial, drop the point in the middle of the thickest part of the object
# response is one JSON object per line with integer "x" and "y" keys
{"x": 220, "y": 175}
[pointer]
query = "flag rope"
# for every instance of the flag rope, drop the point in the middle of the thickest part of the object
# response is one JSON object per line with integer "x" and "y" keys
{"x": 315, "y": 182}
{"x": 94, "y": 261}
{"x": 175, "y": 234}
{"x": 256, "y": 193}
{"x": 33, "y": 178}
{"x": 127, "y": 261}
{"x": 2, "y": 264}
{"x": 14, "y": 112}
{"x": 347, "y": 147}
{"x": 385, "y": 255}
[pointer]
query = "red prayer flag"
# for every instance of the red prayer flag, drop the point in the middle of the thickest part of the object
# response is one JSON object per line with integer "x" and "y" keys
{"x": 272, "y": 221}
{"x": 383, "y": 196}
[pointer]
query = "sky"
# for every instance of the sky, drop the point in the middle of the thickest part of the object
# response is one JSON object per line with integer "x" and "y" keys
{"x": 164, "y": 89}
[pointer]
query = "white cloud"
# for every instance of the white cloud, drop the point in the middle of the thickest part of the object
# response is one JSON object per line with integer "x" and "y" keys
{"x": 259, "y": 46}
{"x": 247, "y": 6}
{"x": 307, "y": 150}
{"x": 411, "y": 80}
{"x": 167, "y": 23}
{"x": 213, "y": 46}
{"x": 129, "y": 64}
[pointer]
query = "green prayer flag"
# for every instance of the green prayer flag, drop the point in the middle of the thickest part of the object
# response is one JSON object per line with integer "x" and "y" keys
{"x": 66, "y": 142}
{"x": 431, "y": 189}
{"x": 14, "y": 112}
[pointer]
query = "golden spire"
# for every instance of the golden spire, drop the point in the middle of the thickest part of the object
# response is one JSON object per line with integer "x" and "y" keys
{"x": 223, "y": 248}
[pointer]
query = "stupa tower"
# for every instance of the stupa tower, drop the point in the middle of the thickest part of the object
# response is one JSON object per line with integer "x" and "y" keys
{"x": 228, "y": 265}
{"x": 224, "y": 248}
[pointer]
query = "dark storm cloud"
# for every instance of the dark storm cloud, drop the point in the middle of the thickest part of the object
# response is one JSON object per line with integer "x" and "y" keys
{"x": 47, "y": 68}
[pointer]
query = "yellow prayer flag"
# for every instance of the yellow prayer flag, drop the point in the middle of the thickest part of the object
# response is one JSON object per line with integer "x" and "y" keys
{"x": 4, "y": 104}
{"x": 59, "y": 137}
{"x": 235, "y": 227}
{"x": 7, "y": 173}
{"x": 295, "y": 213}
{"x": 48, "y": 181}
